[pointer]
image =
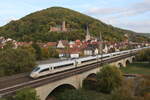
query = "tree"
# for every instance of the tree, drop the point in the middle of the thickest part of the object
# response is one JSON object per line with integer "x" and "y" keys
{"x": 26, "y": 94}
{"x": 2, "y": 99}
{"x": 109, "y": 78}
{"x": 45, "y": 53}
{"x": 142, "y": 88}
{"x": 144, "y": 55}
{"x": 125, "y": 92}
{"x": 53, "y": 52}
{"x": 14, "y": 61}
{"x": 38, "y": 51}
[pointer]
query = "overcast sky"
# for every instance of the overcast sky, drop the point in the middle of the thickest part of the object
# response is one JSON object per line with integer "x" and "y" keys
{"x": 127, "y": 14}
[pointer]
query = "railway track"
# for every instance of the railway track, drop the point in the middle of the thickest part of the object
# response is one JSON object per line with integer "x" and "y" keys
{"x": 9, "y": 86}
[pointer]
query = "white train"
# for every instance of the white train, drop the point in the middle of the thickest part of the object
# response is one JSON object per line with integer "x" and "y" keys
{"x": 45, "y": 69}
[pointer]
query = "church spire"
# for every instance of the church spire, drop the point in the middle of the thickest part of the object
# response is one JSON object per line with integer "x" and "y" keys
{"x": 87, "y": 31}
{"x": 88, "y": 37}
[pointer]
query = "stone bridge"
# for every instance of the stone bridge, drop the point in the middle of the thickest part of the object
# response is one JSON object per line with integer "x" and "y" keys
{"x": 75, "y": 81}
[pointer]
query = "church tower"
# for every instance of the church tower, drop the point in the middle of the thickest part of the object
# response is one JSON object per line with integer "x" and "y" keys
{"x": 87, "y": 37}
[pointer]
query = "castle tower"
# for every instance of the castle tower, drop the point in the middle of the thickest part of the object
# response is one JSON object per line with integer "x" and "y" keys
{"x": 64, "y": 26}
{"x": 87, "y": 37}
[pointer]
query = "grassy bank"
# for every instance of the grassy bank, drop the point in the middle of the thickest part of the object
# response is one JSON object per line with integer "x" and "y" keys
{"x": 137, "y": 68}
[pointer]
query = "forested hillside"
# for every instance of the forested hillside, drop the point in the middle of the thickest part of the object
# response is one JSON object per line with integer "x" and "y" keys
{"x": 35, "y": 26}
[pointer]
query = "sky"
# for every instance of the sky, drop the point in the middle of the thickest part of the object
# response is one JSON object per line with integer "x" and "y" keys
{"x": 127, "y": 14}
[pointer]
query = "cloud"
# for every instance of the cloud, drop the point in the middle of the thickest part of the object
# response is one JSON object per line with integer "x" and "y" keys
{"x": 134, "y": 16}
{"x": 135, "y": 9}
{"x": 7, "y": 20}
{"x": 138, "y": 8}
{"x": 103, "y": 11}
{"x": 137, "y": 26}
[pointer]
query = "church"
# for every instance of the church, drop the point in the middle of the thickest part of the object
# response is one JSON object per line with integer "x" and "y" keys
{"x": 88, "y": 37}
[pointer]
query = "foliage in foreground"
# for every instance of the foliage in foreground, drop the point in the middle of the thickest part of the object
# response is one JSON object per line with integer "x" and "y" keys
{"x": 24, "y": 94}
{"x": 14, "y": 61}
{"x": 109, "y": 78}
{"x": 106, "y": 80}
{"x": 127, "y": 91}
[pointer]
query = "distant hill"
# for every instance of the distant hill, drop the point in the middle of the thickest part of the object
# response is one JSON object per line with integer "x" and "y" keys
{"x": 35, "y": 26}
{"x": 144, "y": 34}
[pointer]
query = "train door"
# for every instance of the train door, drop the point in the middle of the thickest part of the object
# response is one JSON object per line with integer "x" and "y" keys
{"x": 76, "y": 63}
{"x": 51, "y": 68}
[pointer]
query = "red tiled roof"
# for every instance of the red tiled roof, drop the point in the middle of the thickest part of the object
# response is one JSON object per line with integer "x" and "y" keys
{"x": 51, "y": 43}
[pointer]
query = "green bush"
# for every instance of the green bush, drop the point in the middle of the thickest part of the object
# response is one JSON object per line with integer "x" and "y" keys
{"x": 38, "y": 51}
{"x": 125, "y": 92}
{"x": 143, "y": 55}
{"x": 26, "y": 94}
{"x": 14, "y": 61}
{"x": 109, "y": 78}
{"x": 2, "y": 99}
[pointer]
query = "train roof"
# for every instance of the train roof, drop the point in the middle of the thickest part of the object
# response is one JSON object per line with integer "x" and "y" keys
{"x": 86, "y": 58}
{"x": 43, "y": 66}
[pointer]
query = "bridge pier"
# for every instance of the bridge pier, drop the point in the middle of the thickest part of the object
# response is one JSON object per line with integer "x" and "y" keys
{"x": 123, "y": 62}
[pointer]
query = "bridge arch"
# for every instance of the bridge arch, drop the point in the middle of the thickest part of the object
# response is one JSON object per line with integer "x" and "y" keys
{"x": 127, "y": 62}
{"x": 133, "y": 59}
{"x": 91, "y": 75}
{"x": 59, "y": 89}
{"x": 120, "y": 65}
{"x": 89, "y": 81}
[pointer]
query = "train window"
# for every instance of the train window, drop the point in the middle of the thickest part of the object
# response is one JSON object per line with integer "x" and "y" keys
{"x": 105, "y": 57}
{"x": 36, "y": 69}
{"x": 63, "y": 66}
{"x": 44, "y": 70}
{"x": 88, "y": 60}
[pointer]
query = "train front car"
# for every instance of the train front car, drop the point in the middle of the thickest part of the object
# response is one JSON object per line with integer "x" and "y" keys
{"x": 35, "y": 72}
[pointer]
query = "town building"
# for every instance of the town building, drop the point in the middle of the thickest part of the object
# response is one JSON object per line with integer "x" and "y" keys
{"x": 70, "y": 53}
{"x": 62, "y": 44}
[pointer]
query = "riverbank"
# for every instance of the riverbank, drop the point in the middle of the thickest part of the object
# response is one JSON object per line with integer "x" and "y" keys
{"x": 137, "y": 68}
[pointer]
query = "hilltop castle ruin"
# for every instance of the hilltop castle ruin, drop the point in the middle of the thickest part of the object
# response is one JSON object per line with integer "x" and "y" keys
{"x": 61, "y": 28}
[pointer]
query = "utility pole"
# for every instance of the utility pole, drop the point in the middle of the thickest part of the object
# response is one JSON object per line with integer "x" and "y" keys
{"x": 67, "y": 48}
{"x": 101, "y": 46}
{"x": 129, "y": 43}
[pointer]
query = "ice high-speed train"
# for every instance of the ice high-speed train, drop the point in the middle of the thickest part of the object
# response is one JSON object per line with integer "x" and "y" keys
{"x": 45, "y": 69}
